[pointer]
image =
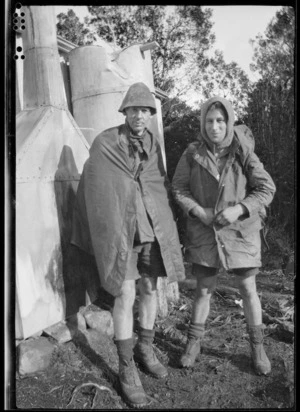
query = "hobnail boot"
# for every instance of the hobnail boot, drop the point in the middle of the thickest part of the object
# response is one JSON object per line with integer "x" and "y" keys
{"x": 261, "y": 362}
{"x": 131, "y": 385}
{"x": 190, "y": 354}
{"x": 145, "y": 356}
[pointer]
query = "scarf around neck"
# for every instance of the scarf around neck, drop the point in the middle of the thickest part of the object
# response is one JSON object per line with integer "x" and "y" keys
{"x": 135, "y": 140}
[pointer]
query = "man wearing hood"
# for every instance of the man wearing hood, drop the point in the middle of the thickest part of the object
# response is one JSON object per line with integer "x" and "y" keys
{"x": 123, "y": 217}
{"x": 223, "y": 189}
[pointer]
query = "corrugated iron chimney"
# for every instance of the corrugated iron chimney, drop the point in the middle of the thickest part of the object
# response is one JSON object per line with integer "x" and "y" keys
{"x": 43, "y": 82}
{"x": 50, "y": 154}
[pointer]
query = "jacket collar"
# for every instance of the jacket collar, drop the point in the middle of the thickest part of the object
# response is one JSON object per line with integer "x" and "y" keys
{"x": 205, "y": 158}
{"x": 143, "y": 143}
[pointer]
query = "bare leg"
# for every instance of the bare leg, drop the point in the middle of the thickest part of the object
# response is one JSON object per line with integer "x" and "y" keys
{"x": 122, "y": 312}
{"x": 200, "y": 312}
{"x": 201, "y": 305}
{"x": 131, "y": 385}
{"x": 251, "y": 302}
{"x": 253, "y": 315}
{"x": 148, "y": 302}
{"x": 144, "y": 352}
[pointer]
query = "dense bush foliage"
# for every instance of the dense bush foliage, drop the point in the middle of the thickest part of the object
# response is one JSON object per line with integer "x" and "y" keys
{"x": 271, "y": 113}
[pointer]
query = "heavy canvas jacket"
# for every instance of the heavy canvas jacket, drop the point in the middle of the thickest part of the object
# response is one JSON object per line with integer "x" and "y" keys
{"x": 243, "y": 180}
{"x": 104, "y": 220}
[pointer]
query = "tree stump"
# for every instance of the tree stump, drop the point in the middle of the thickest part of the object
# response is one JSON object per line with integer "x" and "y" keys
{"x": 166, "y": 292}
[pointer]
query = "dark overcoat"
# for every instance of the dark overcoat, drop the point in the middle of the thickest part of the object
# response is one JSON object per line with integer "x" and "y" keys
{"x": 104, "y": 218}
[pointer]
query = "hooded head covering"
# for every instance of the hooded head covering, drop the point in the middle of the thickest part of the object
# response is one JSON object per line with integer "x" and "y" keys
{"x": 230, "y": 122}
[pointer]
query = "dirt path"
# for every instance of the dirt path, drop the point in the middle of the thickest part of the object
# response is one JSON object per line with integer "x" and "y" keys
{"x": 222, "y": 378}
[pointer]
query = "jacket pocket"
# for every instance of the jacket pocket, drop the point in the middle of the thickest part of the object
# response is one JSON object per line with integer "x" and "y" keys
{"x": 198, "y": 234}
{"x": 250, "y": 225}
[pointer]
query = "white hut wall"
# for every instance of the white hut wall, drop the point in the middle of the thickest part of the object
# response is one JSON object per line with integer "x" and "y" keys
{"x": 52, "y": 279}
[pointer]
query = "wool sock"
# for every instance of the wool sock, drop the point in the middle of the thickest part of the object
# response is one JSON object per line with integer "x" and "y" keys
{"x": 125, "y": 350}
{"x": 146, "y": 336}
{"x": 196, "y": 330}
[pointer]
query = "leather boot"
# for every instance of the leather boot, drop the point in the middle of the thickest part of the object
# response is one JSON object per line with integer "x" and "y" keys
{"x": 145, "y": 356}
{"x": 190, "y": 353}
{"x": 131, "y": 385}
{"x": 195, "y": 334}
{"x": 261, "y": 362}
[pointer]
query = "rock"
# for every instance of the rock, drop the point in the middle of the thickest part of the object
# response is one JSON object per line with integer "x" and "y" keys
{"x": 37, "y": 334}
{"x": 76, "y": 321}
{"x": 100, "y": 320}
{"x": 60, "y": 331}
{"x": 34, "y": 355}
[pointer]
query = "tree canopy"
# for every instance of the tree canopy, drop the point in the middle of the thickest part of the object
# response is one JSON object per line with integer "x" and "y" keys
{"x": 182, "y": 32}
{"x": 70, "y": 28}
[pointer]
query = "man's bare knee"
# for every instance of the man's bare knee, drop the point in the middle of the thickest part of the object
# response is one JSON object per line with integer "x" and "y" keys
{"x": 148, "y": 286}
{"x": 206, "y": 286}
{"x": 127, "y": 296}
{"x": 247, "y": 287}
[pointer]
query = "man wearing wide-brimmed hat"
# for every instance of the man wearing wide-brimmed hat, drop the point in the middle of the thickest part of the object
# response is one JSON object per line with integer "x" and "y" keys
{"x": 124, "y": 218}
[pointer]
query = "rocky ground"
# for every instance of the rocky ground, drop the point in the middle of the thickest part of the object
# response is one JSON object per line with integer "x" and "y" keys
{"x": 83, "y": 372}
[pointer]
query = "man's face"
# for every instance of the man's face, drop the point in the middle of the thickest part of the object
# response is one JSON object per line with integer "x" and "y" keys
{"x": 215, "y": 125}
{"x": 138, "y": 118}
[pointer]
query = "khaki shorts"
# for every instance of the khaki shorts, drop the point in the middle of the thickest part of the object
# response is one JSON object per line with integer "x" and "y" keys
{"x": 204, "y": 271}
{"x": 145, "y": 261}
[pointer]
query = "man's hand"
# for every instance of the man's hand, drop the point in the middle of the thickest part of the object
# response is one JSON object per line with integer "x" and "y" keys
{"x": 206, "y": 215}
{"x": 230, "y": 214}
